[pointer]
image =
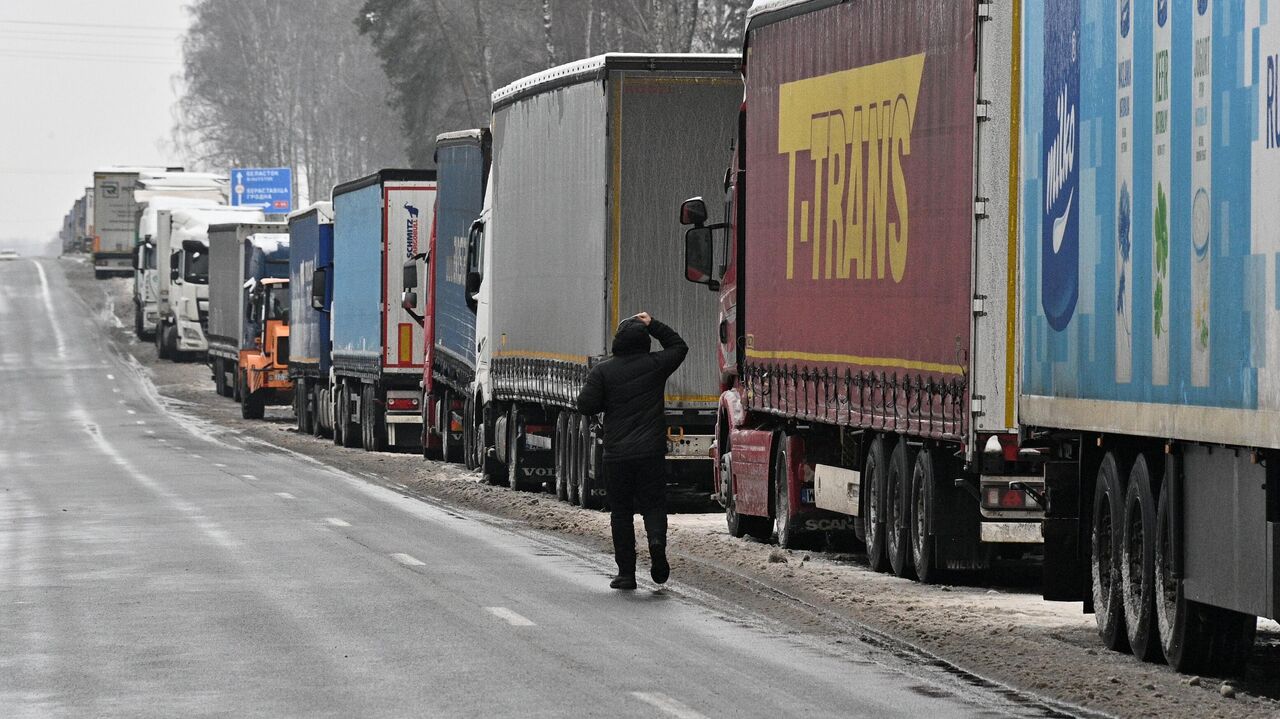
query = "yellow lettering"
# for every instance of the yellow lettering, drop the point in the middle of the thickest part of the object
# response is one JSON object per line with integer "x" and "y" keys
{"x": 877, "y": 190}
{"x": 853, "y": 208}
{"x": 835, "y": 195}
{"x": 901, "y": 139}
{"x": 859, "y": 123}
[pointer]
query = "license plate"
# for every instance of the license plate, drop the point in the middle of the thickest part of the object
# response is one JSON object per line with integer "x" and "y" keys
{"x": 806, "y": 495}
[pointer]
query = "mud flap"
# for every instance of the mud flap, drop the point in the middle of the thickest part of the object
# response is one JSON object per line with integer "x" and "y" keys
{"x": 1065, "y": 578}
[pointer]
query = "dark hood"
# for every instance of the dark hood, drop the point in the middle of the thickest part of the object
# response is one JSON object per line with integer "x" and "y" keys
{"x": 632, "y": 338}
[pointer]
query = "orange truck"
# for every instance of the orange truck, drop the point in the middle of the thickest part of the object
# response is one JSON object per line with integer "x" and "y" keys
{"x": 264, "y": 367}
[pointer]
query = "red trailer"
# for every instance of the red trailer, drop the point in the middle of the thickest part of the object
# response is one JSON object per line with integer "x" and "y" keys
{"x": 867, "y": 286}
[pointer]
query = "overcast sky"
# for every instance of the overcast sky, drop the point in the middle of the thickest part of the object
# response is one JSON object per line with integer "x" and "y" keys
{"x": 83, "y": 83}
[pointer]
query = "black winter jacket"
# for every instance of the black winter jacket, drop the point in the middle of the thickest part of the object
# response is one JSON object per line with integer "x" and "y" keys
{"x": 629, "y": 388}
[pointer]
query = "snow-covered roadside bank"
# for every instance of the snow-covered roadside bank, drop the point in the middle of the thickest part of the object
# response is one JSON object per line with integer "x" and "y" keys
{"x": 1004, "y": 633}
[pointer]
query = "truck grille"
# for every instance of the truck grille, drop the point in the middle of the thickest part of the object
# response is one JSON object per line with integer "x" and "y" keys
{"x": 282, "y": 351}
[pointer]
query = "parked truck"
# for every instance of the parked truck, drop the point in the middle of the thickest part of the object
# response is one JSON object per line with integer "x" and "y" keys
{"x": 264, "y": 364}
{"x": 1147, "y": 156}
{"x": 236, "y": 265}
{"x": 311, "y": 291}
{"x": 866, "y": 288}
{"x": 381, "y": 222}
{"x": 447, "y": 316}
{"x": 115, "y": 220}
{"x": 181, "y": 247}
{"x": 587, "y": 160}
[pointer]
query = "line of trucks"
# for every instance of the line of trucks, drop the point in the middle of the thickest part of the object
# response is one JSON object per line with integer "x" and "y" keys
{"x": 998, "y": 285}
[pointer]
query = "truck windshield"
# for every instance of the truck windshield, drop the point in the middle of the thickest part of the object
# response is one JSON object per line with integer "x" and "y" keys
{"x": 197, "y": 267}
{"x": 278, "y": 303}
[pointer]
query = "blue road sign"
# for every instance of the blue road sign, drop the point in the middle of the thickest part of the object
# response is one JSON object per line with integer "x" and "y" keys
{"x": 268, "y": 188}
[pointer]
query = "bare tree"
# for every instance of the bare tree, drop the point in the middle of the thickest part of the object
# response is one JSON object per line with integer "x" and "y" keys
{"x": 286, "y": 83}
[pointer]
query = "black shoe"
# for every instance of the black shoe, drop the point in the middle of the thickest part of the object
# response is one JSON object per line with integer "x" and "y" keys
{"x": 623, "y": 581}
{"x": 659, "y": 569}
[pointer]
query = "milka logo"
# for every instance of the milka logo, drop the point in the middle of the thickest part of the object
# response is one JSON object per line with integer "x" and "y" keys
{"x": 1162, "y": 12}
{"x": 411, "y": 232}
{"x": 849, "y": 131}
{"x": 1125, "y": 18}
{"x": 1061, "y": 160}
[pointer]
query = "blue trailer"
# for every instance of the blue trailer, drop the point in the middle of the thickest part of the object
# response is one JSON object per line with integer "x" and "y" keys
{"x": 1150, "y": 154}
{"x": 382, "y": 224}
{"x": 311, "y": 294}
{"x": 449, "y": 319}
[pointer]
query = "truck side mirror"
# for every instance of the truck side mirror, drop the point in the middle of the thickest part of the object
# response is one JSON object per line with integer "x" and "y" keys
{"x": 473, "y": 284}
{"x": 318, "y": 278}
{"x": 409, "y": 300}
{"x": 699, "y": 257}
{"x": 693, "y": 212}
{"x": 409, "y": 276}
{"x": 137, "y": 257}
{"x": 475, "y": 249}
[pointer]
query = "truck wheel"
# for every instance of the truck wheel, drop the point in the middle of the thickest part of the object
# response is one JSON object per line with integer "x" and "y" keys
{"x": 219, "y": 379}
{"x": 572, "y": 459}
{"x": 428, "y": 452}
{"x": 450, "y": 444}
{"x": 302, "y": 406}
{"x": 1137, "y": 563}
{"x": 318, "y": 399}
{"x": 873, "y": 509}
{"x": 897, "y": 489}
{"x": 254, "y": 404}
{"x": 589, "y": 482}
{"x": 515, "y": 462}
{"x": 1104, "y": 559}
{"x": 469, "y": 435}
{"x": 342, "y": 418}
{"x": 921, "y": 505}
{"x": 562, "y": 466}
{"x": 788, "y": 535}
{"x": 162, "y": 349}
{"x": 490, "y": 467}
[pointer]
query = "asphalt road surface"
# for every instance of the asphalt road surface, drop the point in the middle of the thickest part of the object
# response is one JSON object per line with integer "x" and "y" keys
{"x": 148, "y": 569}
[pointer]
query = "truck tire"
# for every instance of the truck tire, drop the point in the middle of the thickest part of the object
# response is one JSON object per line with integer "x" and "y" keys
{"x": 515, "y": 460}
{"x": 450, "y": 444}
{"x": 922, "y": 509}
{"x": 1104, "y": 555}
{"x": 789, "y": 536}
{"x": 254, "y": 404}
{"x": 470, "y": 433}
{"x": 372, "y": 420}
{"x": 897, "y": 521}
{"x": 562, "y": 464}
{"x": 1137, "y": 563}
{"x": 320, "y": 408}
{"x": 219, "y": 379}
{"x": 874, "y": 475}
{"x": 342, "y": 417}
{"x": 589, "y": 481}
{"x": 302, "y": 406}
{"x": 573, "y": 459}
{"x": 490, "y": 468}
{"x": 162, "y": 349}
{"x": 428, "y": 452}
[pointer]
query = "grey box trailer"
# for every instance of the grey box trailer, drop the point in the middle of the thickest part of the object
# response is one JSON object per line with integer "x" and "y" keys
{"x": 588, "y": 161}
{"x": 227, "y": 275}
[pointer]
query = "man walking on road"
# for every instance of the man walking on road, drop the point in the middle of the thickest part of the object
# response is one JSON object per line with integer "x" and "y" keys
{"x": 630, "y": 389}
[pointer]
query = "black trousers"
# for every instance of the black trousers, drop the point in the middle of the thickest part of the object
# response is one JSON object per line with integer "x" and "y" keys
{"x": 636, "y": 486}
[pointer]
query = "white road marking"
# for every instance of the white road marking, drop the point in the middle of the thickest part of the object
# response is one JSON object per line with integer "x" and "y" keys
{"x": 220, "y": 466}
{"x": 408, "y": 560}
{"x": 509, "y": 617}
{"x": 248, "y": 476}
{"x": 111, "y": 377}
{"x": 667, "y": 705}
{"x": 334, "y": 521}
{"x": 48, "y": 308}
{"x": 140, "y": 422}
{"x": 131, "y": 411}
{"x": 285, "y": 495}
{"x": 196, "y": 456}
{"x": 116, "y": 390}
